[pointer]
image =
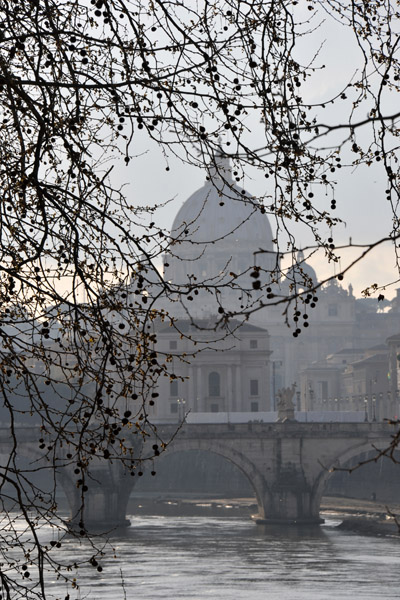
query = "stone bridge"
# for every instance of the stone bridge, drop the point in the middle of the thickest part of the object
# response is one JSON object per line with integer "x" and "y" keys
{"x": 287, "y": 464}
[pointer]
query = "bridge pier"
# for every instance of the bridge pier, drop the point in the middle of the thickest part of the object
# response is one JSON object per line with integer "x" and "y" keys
{"x": 287, "y": 499}
{"x": 98, "y": 496}
{"x": 288, "y": 507}
{"x": 105, "y": 502}
{"x": 102, "y": 506}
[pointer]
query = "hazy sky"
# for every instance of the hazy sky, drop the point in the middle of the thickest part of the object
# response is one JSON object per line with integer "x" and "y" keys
{"x": 361, "y": 201}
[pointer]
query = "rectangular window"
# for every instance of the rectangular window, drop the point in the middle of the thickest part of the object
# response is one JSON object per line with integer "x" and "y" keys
{"x": 332, "y": 310}
{"x": 174, "y": 388}
{"x": 253, "y": 344}
{"x": 214, "y": 384}
{"x": 253, "y": 387}
{"x": 174, "y": 408}
{"x": 173, "y": 345}
{"x": 254, "y": 407}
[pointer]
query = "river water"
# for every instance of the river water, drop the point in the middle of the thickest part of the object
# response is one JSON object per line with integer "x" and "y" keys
{"x": 230, "y": 558}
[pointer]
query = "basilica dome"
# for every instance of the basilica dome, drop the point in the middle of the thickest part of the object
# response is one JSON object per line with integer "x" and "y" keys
{"x": 219, "y": 229}
{"x": 218, "y": 236}
{"x": 301, "y": 274}
{"x": 220, "y": 213}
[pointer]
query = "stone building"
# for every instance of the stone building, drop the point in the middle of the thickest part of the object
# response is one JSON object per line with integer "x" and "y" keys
{"x": 230, "y": 372}
{"x": 355, "y": 380}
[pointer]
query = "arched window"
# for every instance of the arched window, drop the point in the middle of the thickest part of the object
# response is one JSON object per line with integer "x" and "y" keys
{"x": 214, "y": 384}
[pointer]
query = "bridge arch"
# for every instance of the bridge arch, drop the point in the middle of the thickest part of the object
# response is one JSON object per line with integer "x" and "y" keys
{"x": 244, "y": 464}
{"x": 340, "y": 459}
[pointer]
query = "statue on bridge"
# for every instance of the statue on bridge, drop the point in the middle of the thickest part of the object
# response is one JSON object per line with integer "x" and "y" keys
{"x": 285, "y": 404}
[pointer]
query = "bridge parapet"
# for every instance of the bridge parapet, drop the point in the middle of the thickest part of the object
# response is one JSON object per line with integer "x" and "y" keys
{"x": 283, "y": 430}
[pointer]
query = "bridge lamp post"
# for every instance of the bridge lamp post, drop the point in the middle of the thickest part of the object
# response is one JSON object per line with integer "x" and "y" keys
{"x": 372, "y": 382}
{"x": 366, "y": 409}
{"x": 398, "y": 406}
{"x": 374, "y": 407}
{"x": 389, "y": 404}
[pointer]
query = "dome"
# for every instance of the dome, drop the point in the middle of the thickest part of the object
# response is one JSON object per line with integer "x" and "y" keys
{"x": 218, "y": 232}
{"x": 219, "y": 213}
{"x": 301, "y": 274}
{"x": 216, "y": 239}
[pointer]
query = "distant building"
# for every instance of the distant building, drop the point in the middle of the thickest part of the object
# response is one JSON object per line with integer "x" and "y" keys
{"x": 221, "y": 235}
{"x": 230, "y": 372}
{"x": 352, "y": 380}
